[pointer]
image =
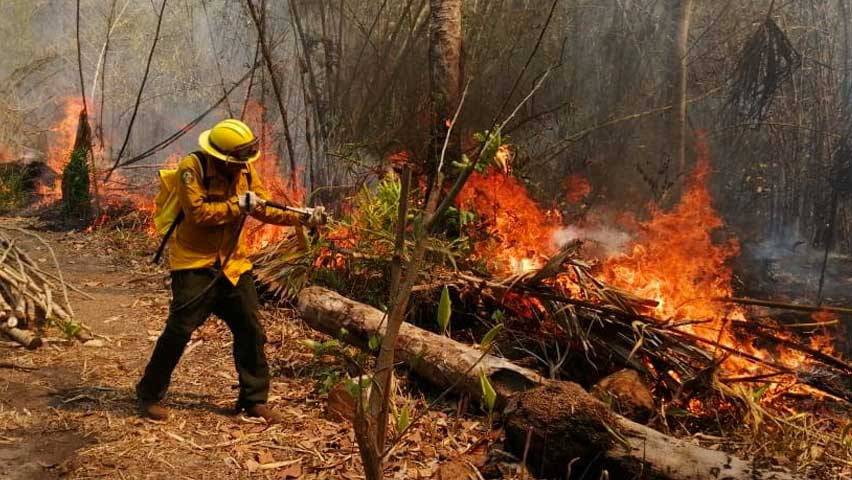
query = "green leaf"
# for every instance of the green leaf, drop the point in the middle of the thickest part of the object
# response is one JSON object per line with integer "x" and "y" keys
{"x": 375, "y": 342}
{"x": 313, "y": 345}
{"x": 489, "y": 337}
{"x": 352, "y": 387}
{"x": 444, "y": 310}
{"x": 71, "y": 329}
{"x": 356, "y": 386}
{"x": 489, "y": 396}
{"x": 342, "y": 333}
{"x": 403, "y": 419}
{"x": 498, "y": 316}
{"x": 758, "y": 393}
{"x": 466, "y": 216}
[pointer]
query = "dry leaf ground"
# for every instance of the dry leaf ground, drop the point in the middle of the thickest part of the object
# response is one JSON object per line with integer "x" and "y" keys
{"x": 68, "y": 410}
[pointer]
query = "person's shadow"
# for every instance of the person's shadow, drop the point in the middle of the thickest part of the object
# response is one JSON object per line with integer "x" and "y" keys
{"x": 122, "y": 402}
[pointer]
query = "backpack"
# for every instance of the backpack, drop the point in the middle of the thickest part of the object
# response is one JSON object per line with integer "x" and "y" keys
{"x": 167, "y": 210}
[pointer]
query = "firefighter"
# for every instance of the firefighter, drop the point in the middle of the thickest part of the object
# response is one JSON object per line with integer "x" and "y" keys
{"x": 210, "y": 272}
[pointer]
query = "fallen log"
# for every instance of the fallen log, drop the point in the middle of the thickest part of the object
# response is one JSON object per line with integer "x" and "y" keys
{"x": 436, "y": 358}
{"x": 440, "y": 360}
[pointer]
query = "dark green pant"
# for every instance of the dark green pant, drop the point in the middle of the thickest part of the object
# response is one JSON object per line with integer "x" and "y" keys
{"x": 237, "y": 306}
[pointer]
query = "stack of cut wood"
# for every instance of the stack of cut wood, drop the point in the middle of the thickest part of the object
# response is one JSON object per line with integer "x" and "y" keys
{"x": 30, "y": 297}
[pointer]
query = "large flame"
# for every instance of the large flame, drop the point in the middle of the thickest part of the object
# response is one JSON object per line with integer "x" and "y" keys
{"x": 281, "y": 189}
{"x": 673, "y": 260}
{"x": 518, "y": 232}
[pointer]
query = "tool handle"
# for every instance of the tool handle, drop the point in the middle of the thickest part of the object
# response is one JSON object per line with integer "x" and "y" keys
{"x": 285, "y": 207}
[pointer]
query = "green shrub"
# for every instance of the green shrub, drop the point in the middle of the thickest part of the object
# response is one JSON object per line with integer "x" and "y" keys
{"x": 76, "y": 199}
{"x": 13, "y": 188}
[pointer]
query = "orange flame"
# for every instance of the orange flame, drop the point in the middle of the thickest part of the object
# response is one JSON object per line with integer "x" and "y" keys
{"x": 60, "y": 144}
{"x": 676, "y": 262}
{"x": 674, "y": 259}
{"x": 518, "y": 233}
{"x": 258, "y": 235}
{"x": 577, "y": 188}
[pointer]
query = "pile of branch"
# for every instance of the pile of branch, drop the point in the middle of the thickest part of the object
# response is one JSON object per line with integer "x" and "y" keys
{"x": 609, "y": 321}
{"x": 606, "y": 323}
{"x": 31, "y": 297}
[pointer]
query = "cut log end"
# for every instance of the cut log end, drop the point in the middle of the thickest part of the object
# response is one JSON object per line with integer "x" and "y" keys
{"x": 559, "y": 421}
{"x": 26, "y": 338}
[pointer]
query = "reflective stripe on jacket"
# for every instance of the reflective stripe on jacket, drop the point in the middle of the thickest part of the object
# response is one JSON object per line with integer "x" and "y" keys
{"x": 211, "y": 216}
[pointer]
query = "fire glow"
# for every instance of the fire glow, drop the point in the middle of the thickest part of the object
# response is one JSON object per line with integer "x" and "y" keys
{"x": 60, "y": 145}
{"x": 672, "y": 260}
{"x": 256, "y": 234}
{"x": 515, "y": 224}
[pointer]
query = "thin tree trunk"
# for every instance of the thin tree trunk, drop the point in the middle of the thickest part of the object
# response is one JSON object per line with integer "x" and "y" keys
{"x": 276, "y": 89}
{"x": 681, "y": 15}
{"x": 84, "y": 118}
{"x": 307, "y": 66}
{"x": 445, "y": 72}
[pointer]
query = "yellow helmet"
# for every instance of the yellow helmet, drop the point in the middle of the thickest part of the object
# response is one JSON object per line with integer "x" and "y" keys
{"x": 231, "y": 141}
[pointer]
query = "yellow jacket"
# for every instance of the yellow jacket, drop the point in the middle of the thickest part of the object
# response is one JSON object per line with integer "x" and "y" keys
{"x": 205, "y": 237}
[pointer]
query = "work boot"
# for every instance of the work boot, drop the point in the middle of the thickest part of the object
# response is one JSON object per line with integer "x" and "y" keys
{"x": 154, "y": 410}
{"x": 261, "y": 410}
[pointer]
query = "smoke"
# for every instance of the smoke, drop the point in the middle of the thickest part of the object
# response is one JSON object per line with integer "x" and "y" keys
{"x": 789, "y": 266}
{"x": 610, "y": 240}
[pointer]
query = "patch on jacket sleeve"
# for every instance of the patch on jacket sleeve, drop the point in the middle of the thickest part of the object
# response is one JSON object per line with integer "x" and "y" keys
{"x": 187, "y": 177}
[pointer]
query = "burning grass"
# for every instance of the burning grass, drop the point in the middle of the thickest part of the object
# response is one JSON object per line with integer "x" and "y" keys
{"x": 652, "y": 307}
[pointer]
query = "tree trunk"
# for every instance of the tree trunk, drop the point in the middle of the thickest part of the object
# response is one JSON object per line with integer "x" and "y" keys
{"x": 276, "y": 88}
{"x": 580, "y": 419}
{"x": 680, "y": 17}
{"x": 445, "y": 74}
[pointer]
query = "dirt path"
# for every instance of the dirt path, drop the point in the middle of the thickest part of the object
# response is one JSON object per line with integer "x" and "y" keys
{"x": 70, "y": 411}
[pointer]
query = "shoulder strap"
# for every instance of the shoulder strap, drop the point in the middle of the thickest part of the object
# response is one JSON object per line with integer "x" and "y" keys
{"x": 202, "y": 163}
{"x": 165, "y": 240}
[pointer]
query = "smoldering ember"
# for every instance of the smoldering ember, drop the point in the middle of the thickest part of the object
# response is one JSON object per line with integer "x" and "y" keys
{"x": 411, "y": 239}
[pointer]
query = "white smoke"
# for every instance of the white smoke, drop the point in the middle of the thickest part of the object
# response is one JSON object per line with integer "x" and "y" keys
{"x": 609, "y": 239}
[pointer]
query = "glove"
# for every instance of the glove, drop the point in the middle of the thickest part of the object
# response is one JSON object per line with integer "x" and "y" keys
{"x": 249, "y": 202}
{"x": 316, "y": 217}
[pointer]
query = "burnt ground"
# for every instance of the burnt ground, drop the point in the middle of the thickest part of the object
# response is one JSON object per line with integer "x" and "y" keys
{"x": 68, "y": 410}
